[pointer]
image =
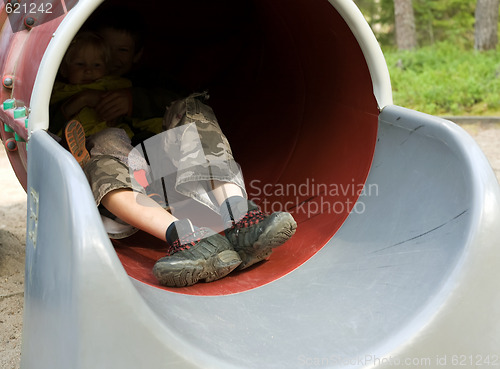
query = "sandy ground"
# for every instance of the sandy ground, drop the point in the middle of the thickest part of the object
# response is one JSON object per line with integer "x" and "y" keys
{"x": 12, "y": 242}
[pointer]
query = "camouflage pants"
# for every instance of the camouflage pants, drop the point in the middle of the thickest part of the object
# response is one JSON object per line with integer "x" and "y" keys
{"x": 183, "y": 160}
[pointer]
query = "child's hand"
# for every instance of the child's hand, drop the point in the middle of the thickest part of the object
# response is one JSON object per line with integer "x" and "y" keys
{"x": 91, "y": 97}
{"x": 114, "y": 104}
{"x": 87, "y": 98}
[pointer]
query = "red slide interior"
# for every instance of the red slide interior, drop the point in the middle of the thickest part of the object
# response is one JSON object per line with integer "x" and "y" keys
{"x": 293, "y": 94}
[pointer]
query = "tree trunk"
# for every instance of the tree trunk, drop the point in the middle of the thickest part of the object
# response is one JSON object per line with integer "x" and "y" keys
{"x": 406, "y": 34}
{"x": 486, "y": 28}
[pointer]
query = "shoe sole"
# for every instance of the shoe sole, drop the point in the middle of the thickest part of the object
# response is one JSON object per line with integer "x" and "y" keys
{"x": 209, "y": 270}
{"x": 75, "y": 138}
{"x": 280, "y": 230}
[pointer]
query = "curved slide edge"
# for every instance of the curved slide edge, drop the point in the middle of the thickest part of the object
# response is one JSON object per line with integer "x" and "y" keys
{"x": 370, "y": 47}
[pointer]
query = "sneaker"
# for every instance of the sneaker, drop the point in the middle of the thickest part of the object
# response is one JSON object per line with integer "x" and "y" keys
{"x": 74, "y": 134}
{"x": 200, "y": 255}
{"x": 117, "y": 228}
{"x": 256, "y": 235}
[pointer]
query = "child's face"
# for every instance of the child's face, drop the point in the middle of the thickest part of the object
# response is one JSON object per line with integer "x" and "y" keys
{"x": 86, "y": 66}
{"x": 123, "y": 54}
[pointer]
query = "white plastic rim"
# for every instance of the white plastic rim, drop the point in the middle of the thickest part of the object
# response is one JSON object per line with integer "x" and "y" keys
{"x": 44, "y": 82}
{"x": 370, "y": 47}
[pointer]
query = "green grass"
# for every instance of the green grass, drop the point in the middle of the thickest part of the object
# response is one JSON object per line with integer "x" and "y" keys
{"x": 445, "y": 79}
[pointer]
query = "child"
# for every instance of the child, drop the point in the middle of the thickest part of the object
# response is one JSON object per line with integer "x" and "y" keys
{"x": 84, "y": 78}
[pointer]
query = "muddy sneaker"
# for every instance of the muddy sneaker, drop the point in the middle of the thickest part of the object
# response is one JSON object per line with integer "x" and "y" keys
{"x": 200, "y": 255}
{"x": 74, "y": 135}
{"x": 256, "y": 235}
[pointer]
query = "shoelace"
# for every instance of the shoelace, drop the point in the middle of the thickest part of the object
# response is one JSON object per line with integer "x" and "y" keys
{"x": 251, "y": 218}
{"x": 187, "y": 241}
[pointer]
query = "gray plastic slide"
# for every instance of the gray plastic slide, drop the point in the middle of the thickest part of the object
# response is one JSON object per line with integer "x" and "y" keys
{"x": 407, "y": 277}
{"x": 413, "y": 279}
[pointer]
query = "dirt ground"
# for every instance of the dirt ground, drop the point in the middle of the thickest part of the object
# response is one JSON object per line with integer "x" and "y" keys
{"x": 12, "y": 242}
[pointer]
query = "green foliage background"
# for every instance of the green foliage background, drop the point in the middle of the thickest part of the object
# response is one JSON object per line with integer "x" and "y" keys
{"x": 444, "y": 75}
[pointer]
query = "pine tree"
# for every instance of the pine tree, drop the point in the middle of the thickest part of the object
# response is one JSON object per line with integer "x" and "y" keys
{"x": 486, "y": 28}
{"x": 406, "y": 35}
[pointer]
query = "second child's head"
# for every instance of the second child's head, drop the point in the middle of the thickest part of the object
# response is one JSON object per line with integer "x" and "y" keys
{"x": 86, "y": 60}
{"x": 123, "y": 29}
{"x": 124, "y": 53}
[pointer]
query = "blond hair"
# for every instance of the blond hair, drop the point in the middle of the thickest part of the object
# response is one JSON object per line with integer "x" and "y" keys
{"x": 87, "y": 39}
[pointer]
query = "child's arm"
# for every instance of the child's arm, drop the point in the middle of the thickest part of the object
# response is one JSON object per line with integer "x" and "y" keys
{"x": 115, "y": 104}
{"x": 137, "y": 102}
{"x": 86, "y": 98}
